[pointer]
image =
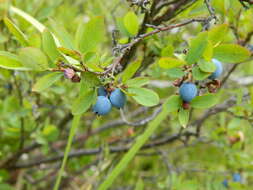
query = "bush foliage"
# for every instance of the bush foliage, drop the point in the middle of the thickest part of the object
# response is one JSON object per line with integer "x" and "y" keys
{"x": 57, "y": 56}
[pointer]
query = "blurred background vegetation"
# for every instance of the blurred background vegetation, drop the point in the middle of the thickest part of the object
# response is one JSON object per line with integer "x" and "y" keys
{"x": 30, "y": 158}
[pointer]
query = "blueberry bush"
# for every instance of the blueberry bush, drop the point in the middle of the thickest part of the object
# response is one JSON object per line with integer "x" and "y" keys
{"x": 126, "y": 94}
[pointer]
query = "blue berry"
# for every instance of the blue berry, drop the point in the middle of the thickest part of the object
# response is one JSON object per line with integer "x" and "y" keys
{"x": 219, "y": 68}
{"x": 118, "y": 98}
{"x": 237, "y": 177}
{"x": 103, "y": 106}
{"x": 225, "y": 183}
{"x": 188, "y": 91}
{"x": 102, "y": 91}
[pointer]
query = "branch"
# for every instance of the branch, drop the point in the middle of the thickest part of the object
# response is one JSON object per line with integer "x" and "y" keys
{"x": 89, "y": 152}
{"x": 233, "y": 68}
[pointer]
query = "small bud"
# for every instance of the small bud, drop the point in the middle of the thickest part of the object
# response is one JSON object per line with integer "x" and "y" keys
{"x": 69, "y": 73}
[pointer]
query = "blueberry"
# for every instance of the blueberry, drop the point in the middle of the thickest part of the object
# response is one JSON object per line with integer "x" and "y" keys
{"x": 102, "y": 91}
{"x": 237, "y": 177}
{"x": 225, "y": 183}
{"x": 118, "y": 98}
{"x": 188, "y": 91}
{"x": 103, "y": 106}
{"x": 219, "y": 68}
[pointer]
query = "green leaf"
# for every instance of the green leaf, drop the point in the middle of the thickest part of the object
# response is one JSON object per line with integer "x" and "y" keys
{"x": 10, "y": 61}
{"x": 231, "y": 53}
{"x": 16, "y": 32}
{"x": 198, "y": 74}
{"x": 49, "y": 46}
{"x": 91, "y": 34}
{"x": 167, "y": 51}
{"x": 130, "y": 70}
{"x": 50, "y": 132}
{"x": 46, "y": 81}
{"x": 71, "y": 53}
{"x": 137, "y": 82}
{"x": 83, "y": 102}
{"x": 173, "y": 103}
{"x": 208, "y": 53}
{"x": 122, "y": 29}
{"x": 28, "y": 18}
{"x": 33, "y": 58}
{"x": 144, "y": 96}
{"x": 217, "y": 34}
{"x": 62, "y": 34}
{"x": 131, "y": 23}
{"x": 90, "y": 80}
{"x": 140, "y": 141}
{"x": 206, "y": 66}
{"x": 170, "y": 62}
{"x": 197, "y": 48}
{"x": 175, "y": 73}
{"x": 91, "y": 60}
{"x": 205, "y": 101}
{"x": 183, "y": 116}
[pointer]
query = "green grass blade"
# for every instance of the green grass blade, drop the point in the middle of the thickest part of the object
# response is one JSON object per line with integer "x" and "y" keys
{"x": 132, "y": 152}
{"x": 29, "y": 18}
{"x": 39, "y": 26}
{"x": 74, "y": 126}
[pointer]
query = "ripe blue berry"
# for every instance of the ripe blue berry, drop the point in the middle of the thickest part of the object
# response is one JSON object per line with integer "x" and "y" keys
{"x": 103, "y": 106}
{"x": 102, "y": 91}
{"x": 118, "y": 98}
{"x": 219, "y": 68}
{"x": 237, "y": 177}
{"x": 225, "y": 183}
{"x": 188, "y": 91}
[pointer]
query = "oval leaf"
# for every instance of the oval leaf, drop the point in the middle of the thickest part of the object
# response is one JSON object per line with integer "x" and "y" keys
{"x": 205, "y": 101}
{"x": 91, "y": 34}
{"x": 231, "y": 53}
{"x": 46, "y": 81}
{"x": 198, "y": 74}
{"x": 131, "y": 23}
{"x": 217, "y": 34}
{"x": 49, "y": 46}
{"x": 208, "y": 53}
{"x": 207, "y": 66}
{"x": 144, "y": 96}
{"x": 197, "y": 48}
{"x": 16, "y": 32}
{"x": 83, "y": 103}
{"x": 130, "y": 70}
{"x": 173, "y": 103}
{"x": 137, "y": 82}
{"x": 170, "y": 62}
{"x": 33, "y": 58}
{"x": 10, "y": 61}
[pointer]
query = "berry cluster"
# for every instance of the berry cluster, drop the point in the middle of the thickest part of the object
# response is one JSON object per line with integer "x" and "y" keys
{"x": 189, "y": 90}
{"x": 106, "y": 100}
